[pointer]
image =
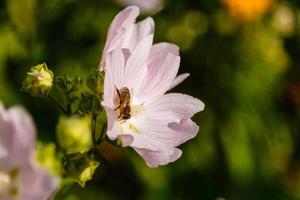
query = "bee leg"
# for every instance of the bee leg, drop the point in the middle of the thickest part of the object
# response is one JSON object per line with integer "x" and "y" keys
{"x": 118, "y": 91}
{"x": 117, "y": 107}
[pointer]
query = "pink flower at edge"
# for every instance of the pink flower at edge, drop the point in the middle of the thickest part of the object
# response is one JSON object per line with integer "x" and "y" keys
{"x": 20, "y": 176}
{"x": 159, "y": 122}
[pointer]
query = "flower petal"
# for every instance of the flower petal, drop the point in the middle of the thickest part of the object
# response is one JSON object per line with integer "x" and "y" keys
{"x": 23, "y": 134}
{"x": 116, "y": 66}
{"x": 117, "y": 29}
{"x": 137, "y": 33}
{"x": 179, "y": 79}
{"x": 156, "y": 158}
{"x": 154, "y": 134}
{"x": 41, "y": 186}
{"x": 136, "y": 68}
{"x": 162, "y": 49}
{"x": 114, "y": 75}
{"x": 174, "y": 107}
{"x": 161, "y": 73}
{"x": 112, "y": 131}
{"x": 169, "y": 134}
{"x": 6, "y": 138}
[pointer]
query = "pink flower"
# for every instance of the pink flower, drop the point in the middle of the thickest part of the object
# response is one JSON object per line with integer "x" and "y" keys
{"x": 20, "y": 176}
{"x": 140, "y": 113}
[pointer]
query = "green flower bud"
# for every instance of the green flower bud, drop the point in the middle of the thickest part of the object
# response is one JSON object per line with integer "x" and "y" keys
{"x": 74, "y": 134}
{"x": 39, "y": 81}
{"x": 80, "y": 167}
{"x": 48, "y": 158}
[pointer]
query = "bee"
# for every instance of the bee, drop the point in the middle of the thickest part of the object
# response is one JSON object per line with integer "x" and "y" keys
{"x": 124, "y": 103}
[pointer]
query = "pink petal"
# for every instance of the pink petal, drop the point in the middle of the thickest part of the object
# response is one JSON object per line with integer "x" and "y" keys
{"x": 124, "y": 19}
{"x": 155, "y": 134}
{"x": 162, "y": 72}
{"x": 179, "y": 79}
{"x": 162, "y": 49}
{"x": 112, "y": 130}
{"x": 114, "y": 75}
{"x": 118, "y": 27}
{"x": 163, "y": 64}
{"x": 3, "y": 151}
{"x": 130, "y": 37}
{"x": 134, "y": 139}
{"x": 148, "y": 6}
{"x": 20, "y": 137}
{"x": 42, "y": 184}
{"x": 116, "y": 66}
{"x": 140, "y": 140}
{"x": 109, "y": 87}
{"x": 136, "y": 33}
{"x": 156, "y": 158}
{"x": 169, "y": 134}
{"x": 6, "y": 138}
{"x": 174, "y": 107}
{"x": 136, "y": 65}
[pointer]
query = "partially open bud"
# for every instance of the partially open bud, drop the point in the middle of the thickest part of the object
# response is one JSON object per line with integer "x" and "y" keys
{"x": 80, "y": 167}
{"x": 74, "y": 134}
{"x": 39, "y": 81}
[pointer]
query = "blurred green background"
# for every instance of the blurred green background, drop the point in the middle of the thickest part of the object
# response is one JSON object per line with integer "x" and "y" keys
{"x": 244, "y": 60}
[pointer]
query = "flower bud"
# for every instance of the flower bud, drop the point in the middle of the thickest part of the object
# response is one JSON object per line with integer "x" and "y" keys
{"x": 39, "y": 81}
{"x": 74, "y": 134}
{"x": 48, "y": 158}
{"x": 80, "y": 167}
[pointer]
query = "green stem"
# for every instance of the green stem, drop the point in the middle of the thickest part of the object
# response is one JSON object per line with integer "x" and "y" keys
{"x": 94, "y": 118}
{"x": 69, "y": 109}
{"x": 103, "y": 130}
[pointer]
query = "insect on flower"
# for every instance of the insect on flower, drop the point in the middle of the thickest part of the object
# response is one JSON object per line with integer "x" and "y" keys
{"x": 124, "y": 103}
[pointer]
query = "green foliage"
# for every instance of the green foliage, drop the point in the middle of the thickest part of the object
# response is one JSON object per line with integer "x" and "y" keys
{"x": 80, "y": 167}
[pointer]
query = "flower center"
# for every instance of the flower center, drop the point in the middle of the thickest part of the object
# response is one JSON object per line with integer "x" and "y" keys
{"x": 8, "y": 185}
{"x": 5, "y": 182}
{"x": 127, "y": 110}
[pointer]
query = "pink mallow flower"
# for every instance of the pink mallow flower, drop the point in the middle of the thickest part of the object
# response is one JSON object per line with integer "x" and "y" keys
{"x": 20, "y": 176}
{"x": 140, "y": 113}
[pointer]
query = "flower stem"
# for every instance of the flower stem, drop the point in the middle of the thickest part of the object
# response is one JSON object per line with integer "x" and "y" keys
{"x": 103, "y": 130}
{"x": 94, "y": 118}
